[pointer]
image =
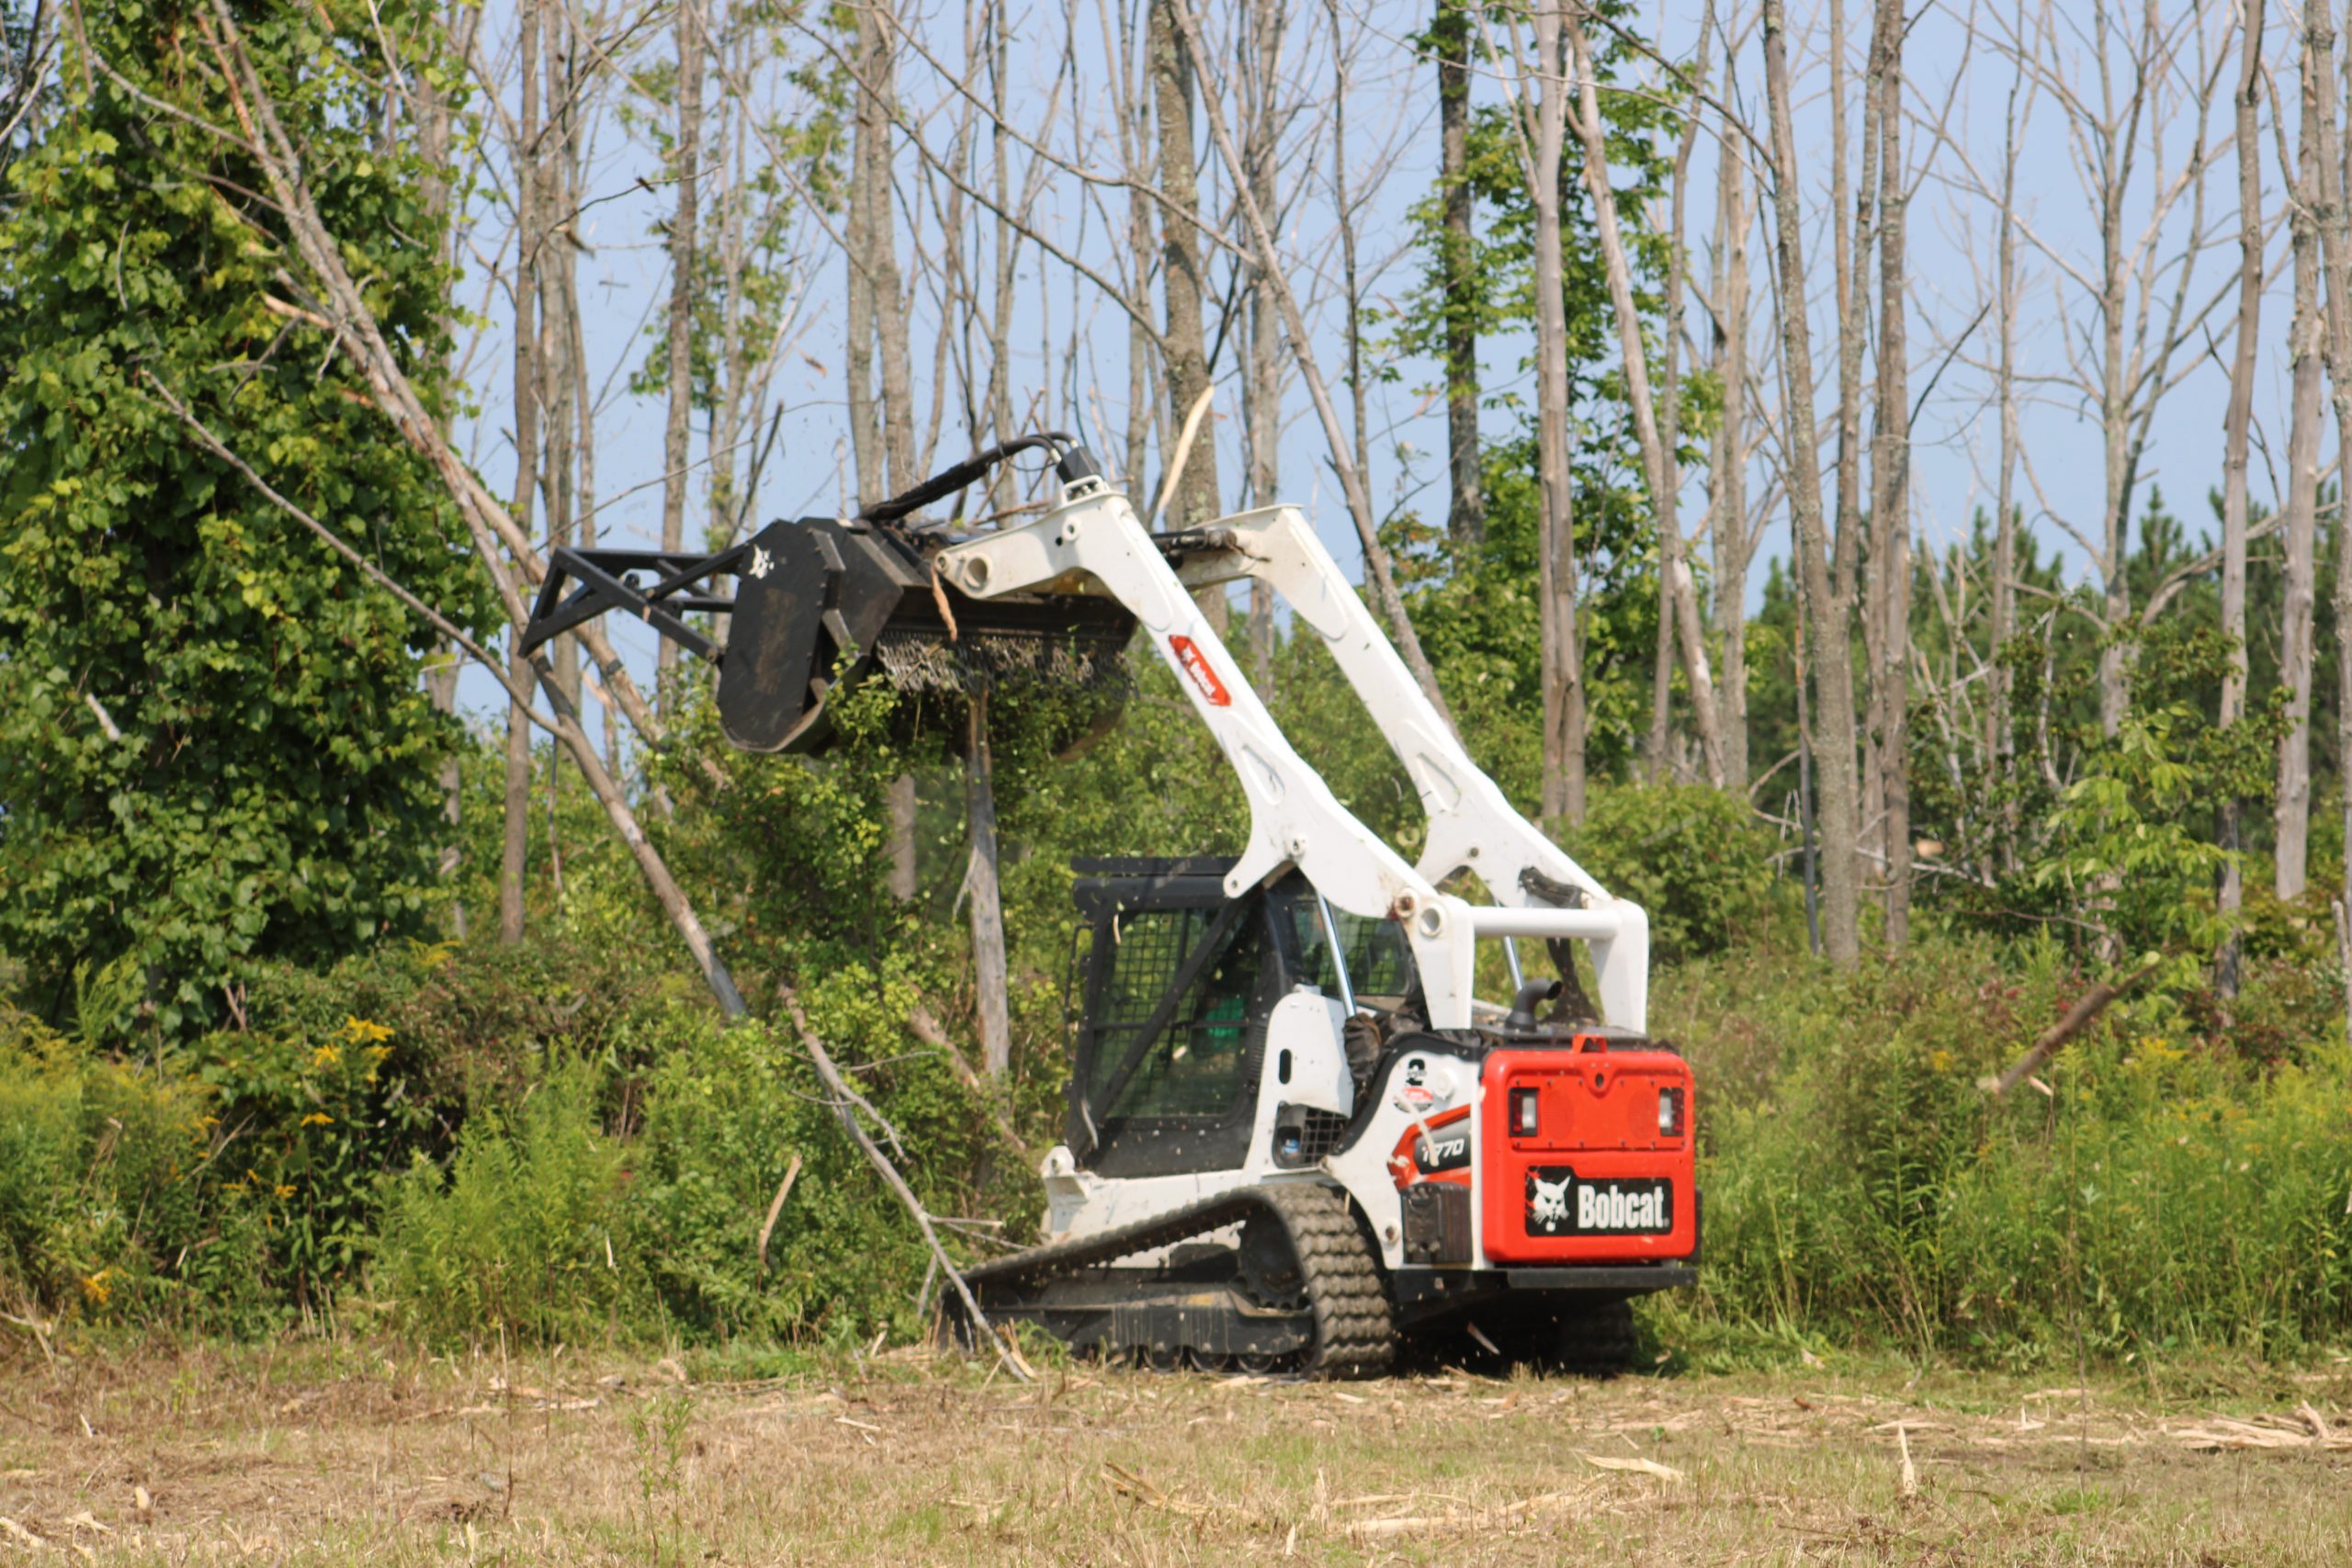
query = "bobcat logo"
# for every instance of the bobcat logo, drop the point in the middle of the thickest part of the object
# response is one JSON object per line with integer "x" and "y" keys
{"x": 1559, "y": 1204}
{"x": 1548, "y": 1201}
{"x": 761, "y": 565}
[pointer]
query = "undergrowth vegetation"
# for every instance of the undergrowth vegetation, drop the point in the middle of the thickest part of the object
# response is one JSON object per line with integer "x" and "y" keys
{"x": 604, "y": 1177}
{"x": 2148, "y": 1192}
{"x": 560, "y": 1142}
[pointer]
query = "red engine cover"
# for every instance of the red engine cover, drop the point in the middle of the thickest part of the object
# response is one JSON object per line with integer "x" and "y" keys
{"x": 1597, "y": 1182}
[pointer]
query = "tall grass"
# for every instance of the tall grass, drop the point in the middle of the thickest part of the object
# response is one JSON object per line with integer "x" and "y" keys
{"x": 519, "y": 1234}
{"x": 2151, "y": 1194}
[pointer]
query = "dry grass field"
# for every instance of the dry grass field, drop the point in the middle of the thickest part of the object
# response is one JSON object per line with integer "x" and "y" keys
{"x": 356, "y": 1453}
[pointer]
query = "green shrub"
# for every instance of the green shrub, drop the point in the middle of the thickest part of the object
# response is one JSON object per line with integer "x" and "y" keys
{"x": 1695, "y": 859}
{"x": 1860, "y": 1185}
{"x": 728, "y": 1109}
{"x": 524, "y": 1233}
{"x": 725, "y": 1114}
{"x": 116, "y": 1204}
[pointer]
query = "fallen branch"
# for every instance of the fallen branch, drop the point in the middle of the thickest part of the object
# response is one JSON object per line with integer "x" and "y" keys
{"x": 846, "y": 1099}
{"x": 776, "y": 1209}
{"x": 37, "y": 1328}
{"x": 926, "y": 1029}
{"x": 566, "y": 727}
{"x": 2087, "y": 1008}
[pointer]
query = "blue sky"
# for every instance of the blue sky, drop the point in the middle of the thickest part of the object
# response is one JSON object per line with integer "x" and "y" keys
{"x": 1069, "y": 339}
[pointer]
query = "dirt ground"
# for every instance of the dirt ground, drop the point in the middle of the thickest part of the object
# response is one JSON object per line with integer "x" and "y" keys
{"x": 334, "y": 1453}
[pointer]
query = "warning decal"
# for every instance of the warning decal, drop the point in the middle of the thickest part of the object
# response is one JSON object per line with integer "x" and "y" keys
{"x": 1196, "y": 665}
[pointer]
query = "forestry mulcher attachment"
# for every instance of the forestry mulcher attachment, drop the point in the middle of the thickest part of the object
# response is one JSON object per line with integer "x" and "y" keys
{"x": 1296, "y": 1136}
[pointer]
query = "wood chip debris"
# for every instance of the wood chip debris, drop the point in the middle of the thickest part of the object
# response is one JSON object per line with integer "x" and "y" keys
{"x": 1512, "y": 1515}
{"x": 2307, "y": 1429}
{"x": 1633, "y": 1466}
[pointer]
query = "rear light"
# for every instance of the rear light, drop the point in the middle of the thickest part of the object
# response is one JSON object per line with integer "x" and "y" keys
{"x": 1670, "y": 1114}
{"x": 1523, "y": 1122}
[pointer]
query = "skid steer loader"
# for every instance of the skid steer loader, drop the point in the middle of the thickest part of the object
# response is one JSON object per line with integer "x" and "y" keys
{"x": 1295, "y": 1136}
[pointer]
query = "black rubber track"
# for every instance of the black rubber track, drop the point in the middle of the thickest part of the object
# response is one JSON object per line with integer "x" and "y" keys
{"x": 1355, "y": 1333}
{"x": 1355, "y": 1336}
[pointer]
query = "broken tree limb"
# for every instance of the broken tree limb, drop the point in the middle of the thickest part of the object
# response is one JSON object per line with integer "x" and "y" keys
{"x": 214, "y": 445}
{"x": 2087, "y": 1009}
{"x": 566, "y": 727}
{"x": 925, "y": 1028}
{"x": 776, "y": 1210}
{"x": 845, "y": 1100}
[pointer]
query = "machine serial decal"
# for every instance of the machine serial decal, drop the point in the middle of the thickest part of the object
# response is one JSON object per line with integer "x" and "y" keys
{"x": 1559, "y": 1204}
{"x": 1448, "y": 1150}
{"x": 1196, "y": 665}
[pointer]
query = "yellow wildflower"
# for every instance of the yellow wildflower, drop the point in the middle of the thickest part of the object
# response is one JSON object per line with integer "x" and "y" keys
{"x": 318, "y": 1119}
{"x": 96, "y": 1288}
{"x": 284, "y": 1190}
{"x": 325, "y": 1056}
{"x": 360, "y": 1032}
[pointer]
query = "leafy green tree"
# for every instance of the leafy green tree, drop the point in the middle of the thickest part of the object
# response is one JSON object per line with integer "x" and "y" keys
{"x": 1476, "y": 608}
{"x": 214, "y": 744}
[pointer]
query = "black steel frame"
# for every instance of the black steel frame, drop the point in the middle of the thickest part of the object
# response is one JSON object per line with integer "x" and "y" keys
{"x": 605, "y": 581}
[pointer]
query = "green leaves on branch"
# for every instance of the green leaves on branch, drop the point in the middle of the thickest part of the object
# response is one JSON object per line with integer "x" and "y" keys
{"x": 214, "y": 743}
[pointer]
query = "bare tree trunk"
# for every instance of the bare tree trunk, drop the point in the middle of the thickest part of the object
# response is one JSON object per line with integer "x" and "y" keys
{"x": 902, "y": 837}
{"x": 435, "y": 122}
{"x": 1261, "y": 147}
{"x": 1657, "y": 754}
{"x": 515, "y": 844}
{"x": 1563, "y": 673}
{"x": 2335, "y": 241}
{"x": 1825, "y": 645}
{"x": 864, "y": 431}
{"x": 2234, "y": 427}
{"x": 879, "y": 28}
{"x": 1352, "y": 480}
{"x": 1465, "y": 518}
{"x": 2115, "y": 415}
{"x": 685, "y": 231}
{"x": 1727, "y": 525}
{"x": 1851, "y": 573}
{"x": 557, "y": 167}
{"x": 1890, "y": 473}
{"x": 2299, "y": 516}
{"x": 982, "y": 885}
{"x": 1134, "y": 116}
{"x": 1197, "y": 498}
{"x": 1834, "y": 616}
{"x": 1679, "y": 595}
{"x": 2002, "y": 747}
{"x": 1850, "y": 260}
{"x": 723, "y": 502}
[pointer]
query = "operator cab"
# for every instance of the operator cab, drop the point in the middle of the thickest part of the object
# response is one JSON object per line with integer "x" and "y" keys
{"x": 1170, "y": 997}
{"x": 1172, "y": 990}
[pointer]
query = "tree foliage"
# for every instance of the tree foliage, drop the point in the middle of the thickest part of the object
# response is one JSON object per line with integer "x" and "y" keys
{"x": 214, "y": 744}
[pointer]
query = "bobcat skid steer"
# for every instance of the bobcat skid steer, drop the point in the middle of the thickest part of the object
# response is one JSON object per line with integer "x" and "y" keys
{"x": 1296, "y": 1136}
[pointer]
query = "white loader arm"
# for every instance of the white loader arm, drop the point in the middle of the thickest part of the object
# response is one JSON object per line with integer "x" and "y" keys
{"x": 1094, "y": 541}
{"x": 1472, "y": 824}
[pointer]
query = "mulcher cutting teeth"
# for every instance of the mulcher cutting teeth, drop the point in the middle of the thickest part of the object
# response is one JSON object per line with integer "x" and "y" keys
{"x": 824, "y": 603}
